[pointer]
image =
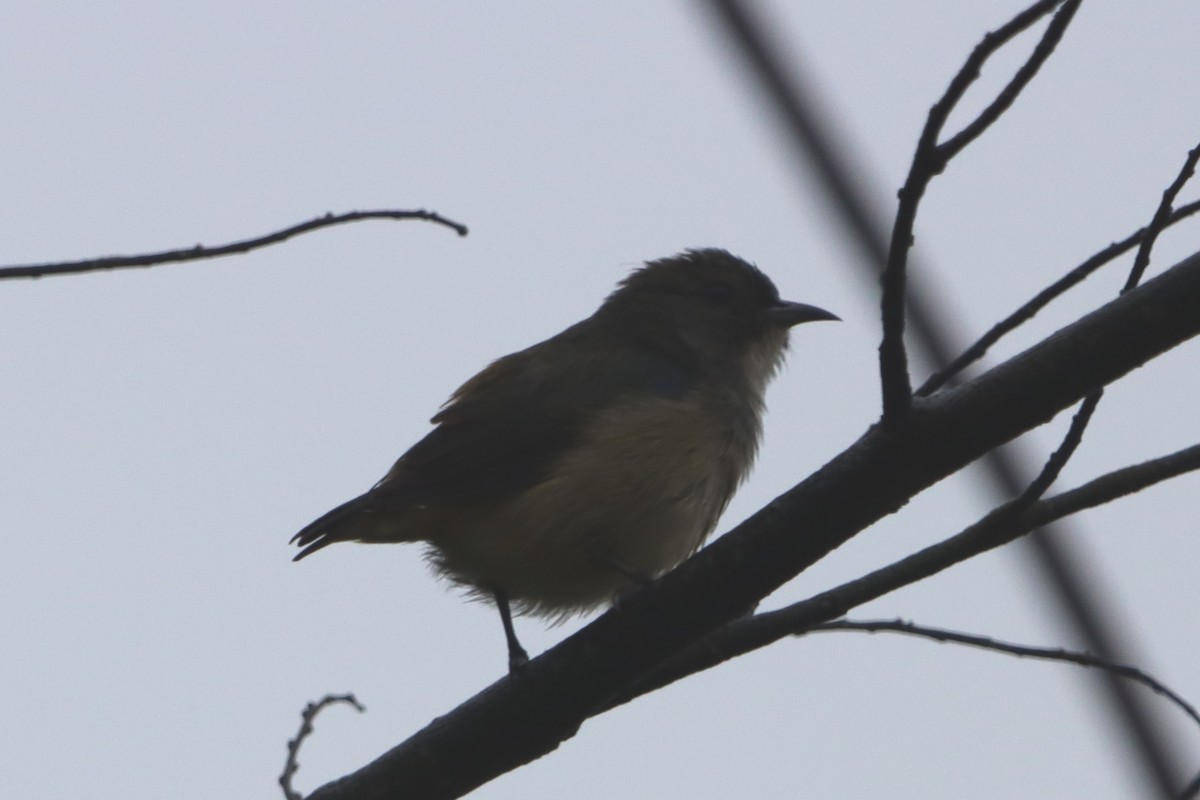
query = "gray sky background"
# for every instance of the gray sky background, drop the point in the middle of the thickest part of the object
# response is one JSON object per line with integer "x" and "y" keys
{"x": 165, "y": 431}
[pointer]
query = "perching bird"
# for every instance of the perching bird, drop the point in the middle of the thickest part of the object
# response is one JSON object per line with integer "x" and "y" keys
{"x": 561, "y": 475}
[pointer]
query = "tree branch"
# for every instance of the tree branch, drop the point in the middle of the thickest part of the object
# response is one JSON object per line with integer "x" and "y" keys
{"x": 1008, "y": 95}
{"x": 1161, "y": 218}
{"x": 1043, "y": 298}
{"x": 930, "y": 160}
{"x": 200, "y": 252}
{"x": 1083, "y": 417}
{"x": 997, "y": 528}
{"x": 1059, "y": 458}
{"x": 521, "y": 718}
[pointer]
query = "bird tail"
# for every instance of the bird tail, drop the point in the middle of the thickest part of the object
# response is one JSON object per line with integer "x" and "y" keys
{"x": 348, "y": 522}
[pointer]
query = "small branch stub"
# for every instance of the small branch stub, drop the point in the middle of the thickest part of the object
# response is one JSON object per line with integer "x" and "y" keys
{"x": 306, "y": 727}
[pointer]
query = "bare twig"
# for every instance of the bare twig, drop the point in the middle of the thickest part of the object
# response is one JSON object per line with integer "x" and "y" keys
{"x": 997, "y": 528}
{"x": 1161, "y": 218}
{"x": 1043, "y": 298}
{"x": 1164, "y": 217}
{"x": 306, "y": 728}
{"x": 200, "y": 252}
{"x": 1079, "y": 423}
{"x": 930, "y": 160}
{"x": 1059, "y": 458}
{"x": 1021, "y": 650}
{"x": 792, "y": 99}
{"x": 1045, "y": 47}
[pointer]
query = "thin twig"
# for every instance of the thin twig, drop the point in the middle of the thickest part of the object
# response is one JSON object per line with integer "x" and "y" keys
{"x": 1161, "y": 219}
{"x": 929, "y": 160}
{"x": 1079, "y": 423}
{"x": 1021, "y": 650}
{"x": 995, "y": 529}
{"x": 1059, "y": 458}
{"x": 199, "y": 252}
{"x": 1043, "y": 298}
{"x": 306, "y": 728}
{"x": 1021, "y": 78}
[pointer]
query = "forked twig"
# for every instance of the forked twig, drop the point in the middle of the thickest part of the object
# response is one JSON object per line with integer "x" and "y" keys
{"x": 930, "y": 160}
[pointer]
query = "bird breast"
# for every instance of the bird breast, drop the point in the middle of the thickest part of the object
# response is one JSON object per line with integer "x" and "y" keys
{"x": 642, "y": 490}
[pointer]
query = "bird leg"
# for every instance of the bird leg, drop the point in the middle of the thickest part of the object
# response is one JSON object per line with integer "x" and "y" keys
{"x": 517, "y": 657}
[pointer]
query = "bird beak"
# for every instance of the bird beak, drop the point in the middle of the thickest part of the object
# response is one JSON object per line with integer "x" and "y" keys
{"x": 789, "y": 314}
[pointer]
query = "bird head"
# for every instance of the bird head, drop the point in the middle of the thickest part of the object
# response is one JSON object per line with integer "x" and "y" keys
{"x": 711, "y": 306}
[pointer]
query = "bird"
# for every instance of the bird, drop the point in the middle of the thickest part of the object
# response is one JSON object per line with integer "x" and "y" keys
{"x": 567, "y": 473}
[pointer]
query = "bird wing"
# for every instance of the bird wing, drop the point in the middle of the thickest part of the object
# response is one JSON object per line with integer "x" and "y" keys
{"x": 499, "y": 434}
{"x": 495, "y": 437}
{"x": 504, "y": 428}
